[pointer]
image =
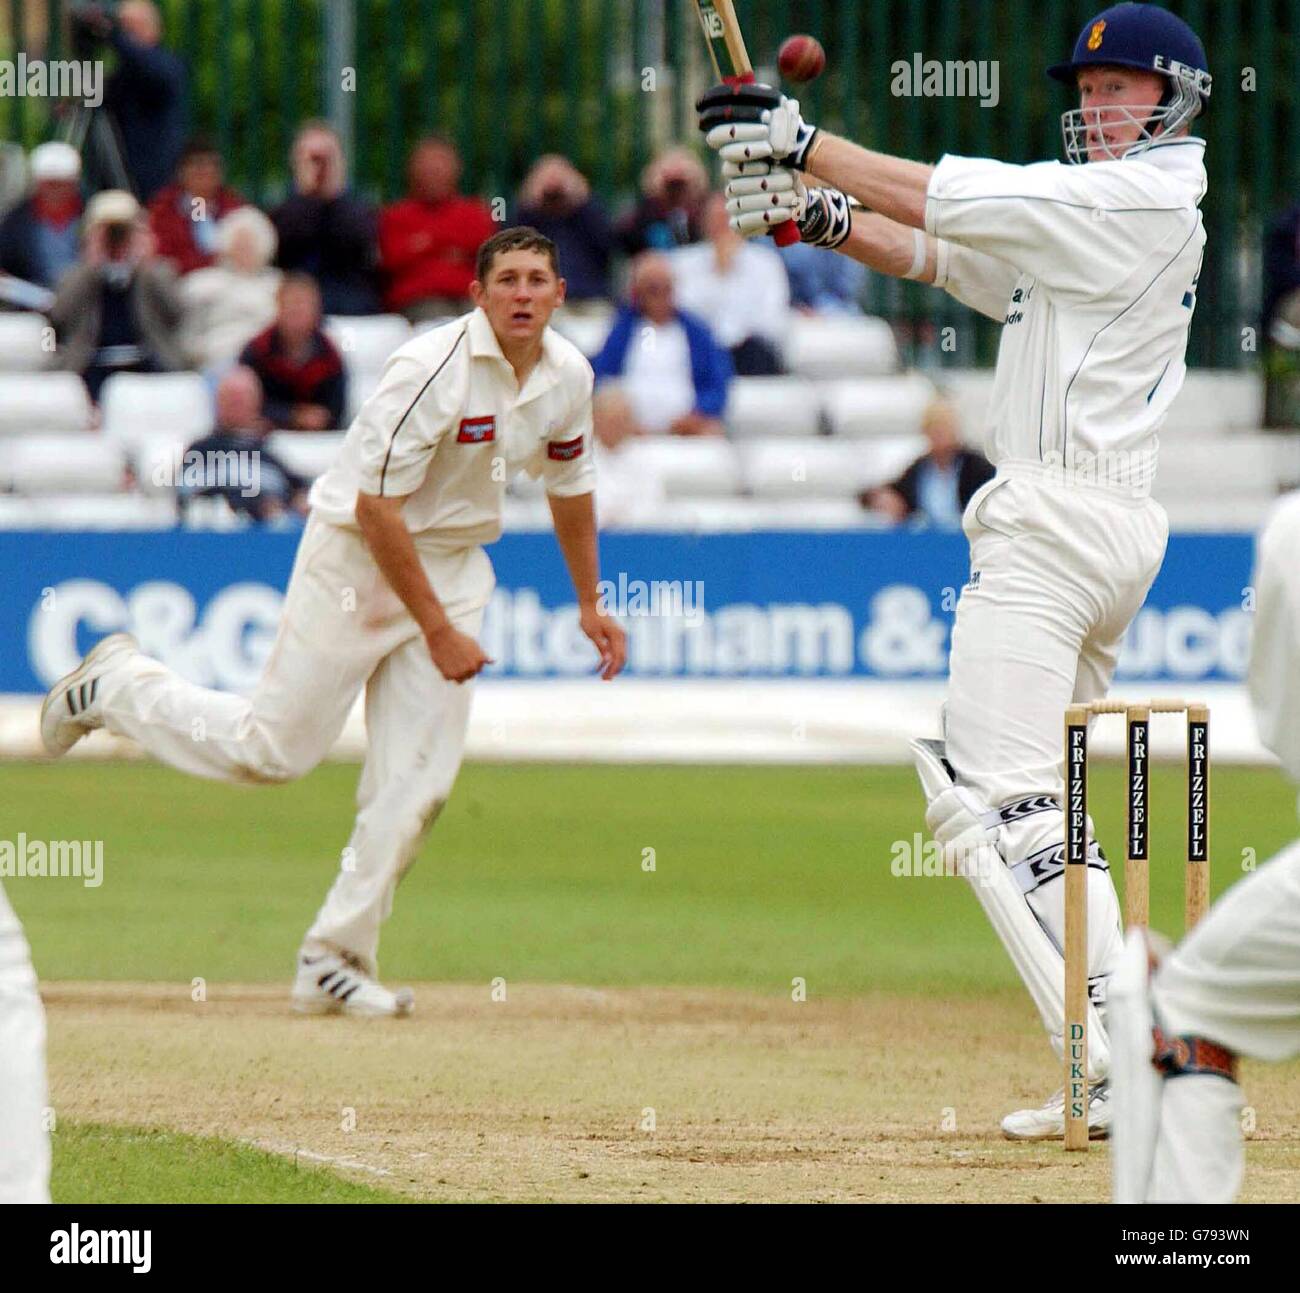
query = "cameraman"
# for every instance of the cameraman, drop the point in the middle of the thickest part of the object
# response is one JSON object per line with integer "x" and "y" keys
{"x": 146, "y": 95}
{"x": 117, "y": 311}
{"x": 556, "y": 200}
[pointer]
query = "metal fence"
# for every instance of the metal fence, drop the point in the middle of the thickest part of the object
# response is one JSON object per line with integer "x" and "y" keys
{"x": 609, "y": 81}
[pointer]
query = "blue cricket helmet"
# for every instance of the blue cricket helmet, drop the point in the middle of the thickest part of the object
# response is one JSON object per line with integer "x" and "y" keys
{"x": 1147, "y": 39}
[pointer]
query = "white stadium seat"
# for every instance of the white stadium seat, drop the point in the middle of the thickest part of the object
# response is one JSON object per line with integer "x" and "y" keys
{"x": 43, "y": 403}
{"x": 971, "y": 390}
{"x": 61, "y": 464}
{"x": 706, "y": 467}
{"x": 825, "y": 468}
{"x": 878, "y": 406}
{"x": 773, "y": 406}
{"x": 142, "y": 406}
{"x": 587, "y": 330}
{"x": 309, "y": 453}
{"x": 1217, "y": 400}
{"x": 22, "y": 343}
{"x": 86, "y": 512}
{"x": 367, "y": 340}
{"x": 829, "y": 346}
{"x": 1240, "y": 465}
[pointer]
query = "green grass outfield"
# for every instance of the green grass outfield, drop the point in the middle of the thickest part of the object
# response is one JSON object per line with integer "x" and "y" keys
{"x": 536, "y": 873}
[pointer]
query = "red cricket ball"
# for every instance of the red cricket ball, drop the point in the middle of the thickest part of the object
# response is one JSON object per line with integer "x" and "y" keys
{"x": 801, "y": 59}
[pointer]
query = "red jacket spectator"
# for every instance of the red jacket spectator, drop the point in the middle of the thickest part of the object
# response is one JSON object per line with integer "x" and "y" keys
{"x": 428, "y": 241}
{"x": 173, "y": 228}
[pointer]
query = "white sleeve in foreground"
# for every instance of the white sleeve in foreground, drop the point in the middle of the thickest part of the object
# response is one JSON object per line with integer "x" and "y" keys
{"x": 1274, "y": 677}
{"x": 982, "y": 282}
{"x": 402, "y": 423}
{"x": 568, "y": 467}
{"x": 1080, "y": 230}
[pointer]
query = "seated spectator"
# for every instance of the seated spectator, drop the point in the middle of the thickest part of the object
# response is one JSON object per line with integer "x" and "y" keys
{"x": 324, "y": 231}
{"x": 429, "y": 239}
{"x": 233, "y": 462}
{"x": 669, "y": 214}
{"x": 145, "y": 96}
{"x": 233, "y": 300}
{"x": 625, "y": 495}
{"x": 823, "y": 282}
{"x": 40, "y": 237}
{"x": 935, "y": 489}
{"x": 739, "y": 288}
{"x": 556, "y": 200}
{"x": 117, "y": 310}
{"x": 300, "y": 369}
{"x": 673, "y": 372}
{"x": 184, "y": 215}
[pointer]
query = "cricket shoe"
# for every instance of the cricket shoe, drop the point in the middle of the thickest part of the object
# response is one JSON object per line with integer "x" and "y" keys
{"x": 335, "y": 984}
{"x": 1048, "y": 1121}
{"x": 72, "y": 706}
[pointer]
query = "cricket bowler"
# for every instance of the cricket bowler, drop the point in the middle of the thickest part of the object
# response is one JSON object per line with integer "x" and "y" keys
{"x": 1092, "y": 269}
{"x": 1232, "y": 986}
{"x": 387, "y": 596}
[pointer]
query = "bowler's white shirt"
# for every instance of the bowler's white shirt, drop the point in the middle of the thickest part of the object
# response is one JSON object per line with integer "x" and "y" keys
{"x": 751, "y": 299}
{"x": 448, "y": 427}
{"x": 1274, "y": 677}
{"x": 1093, "y": 271}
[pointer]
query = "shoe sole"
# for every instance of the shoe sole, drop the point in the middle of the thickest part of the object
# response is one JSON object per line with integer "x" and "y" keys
{"x": 329, "y": 1006}
{"x": 74, "y": 679}
{"x": 1094, "y": 1133}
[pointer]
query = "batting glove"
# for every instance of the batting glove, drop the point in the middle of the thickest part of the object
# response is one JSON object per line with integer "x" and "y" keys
{"x": 760, "y": 196}
{"x": 754, "y": 123}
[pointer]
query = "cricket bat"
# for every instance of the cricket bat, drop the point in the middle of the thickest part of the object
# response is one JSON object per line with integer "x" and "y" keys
{"x": 732, "y": 65}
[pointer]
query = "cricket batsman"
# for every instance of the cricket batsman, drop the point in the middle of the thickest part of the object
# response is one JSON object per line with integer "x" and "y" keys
{"x": 1092, "y": 268}
{"x": 387, "y": 595}
{"x": 1232, "y": 986}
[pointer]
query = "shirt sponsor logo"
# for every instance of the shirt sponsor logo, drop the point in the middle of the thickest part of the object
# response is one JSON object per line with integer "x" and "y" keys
{"x": 477, "y": 430}
{"x": 564, "y": 450}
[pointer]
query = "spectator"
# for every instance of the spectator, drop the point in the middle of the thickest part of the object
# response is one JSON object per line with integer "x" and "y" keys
{"x": 673, "y": 189}
{"x": 39, "y": 238}
{"x": 146, "y": 95}
{"x": 233, "y": 300}
{"x": 822, "y": 282}
{"x": 324, "y": 231}
{"x": 936, "y": 488}
{"x": 556, "y": 200}
{"x": 234, "y": 463}
{"x": 628, "y": 493}
{"x": 739, "y": 288}
{"x": 673, "y": 372}
{"x": 117, "y": 311}
{"x": 429, "y": 239}
{"x": 184, "y": 215}
{"x": 300, "y": 369}
{"x": 1281, "y": 263}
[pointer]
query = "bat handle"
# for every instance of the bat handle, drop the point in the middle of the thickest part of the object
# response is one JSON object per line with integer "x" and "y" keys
{"x": 786, "y": 233}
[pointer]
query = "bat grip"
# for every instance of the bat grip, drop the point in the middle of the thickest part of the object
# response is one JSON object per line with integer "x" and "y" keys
{"x": 786, "y": 233}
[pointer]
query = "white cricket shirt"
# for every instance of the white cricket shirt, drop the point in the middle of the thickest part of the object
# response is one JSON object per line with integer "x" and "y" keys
{"x": 657, "y": 377}
{"x": 448, "y": 427}
{"x": 1274, "y": 678}
{"x": 1093, "y": 271}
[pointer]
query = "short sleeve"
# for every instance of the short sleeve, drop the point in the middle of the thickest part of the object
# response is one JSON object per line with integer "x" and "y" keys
{"x": 980, "y": 281}
{"x": 402, "y": 423}
{"x": 1080, "y": 230}
{"x": 568, "y": 468}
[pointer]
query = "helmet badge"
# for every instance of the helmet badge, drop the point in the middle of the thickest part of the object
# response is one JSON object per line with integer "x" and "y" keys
{"x": 1094, "y": 40}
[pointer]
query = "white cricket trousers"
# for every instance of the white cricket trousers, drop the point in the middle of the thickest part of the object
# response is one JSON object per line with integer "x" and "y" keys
{"x": 24, "y": 1142}
{"x": 1234, "y": 980}
{"x": 1058, "y": 571}
{"x": 342, "y": 629}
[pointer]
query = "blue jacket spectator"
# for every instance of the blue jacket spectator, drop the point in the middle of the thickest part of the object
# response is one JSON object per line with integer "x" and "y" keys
{"x": 556, "y": 200}
{"x": 40, "y": 239}
{"x": 672, "y": 370}
{"x": 146, "y": 97}
{"x": 822, "y": 282}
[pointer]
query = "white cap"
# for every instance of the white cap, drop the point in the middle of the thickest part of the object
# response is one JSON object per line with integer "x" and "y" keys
{"x": 55, "y": 161}
{"x": 112, "y": 206}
